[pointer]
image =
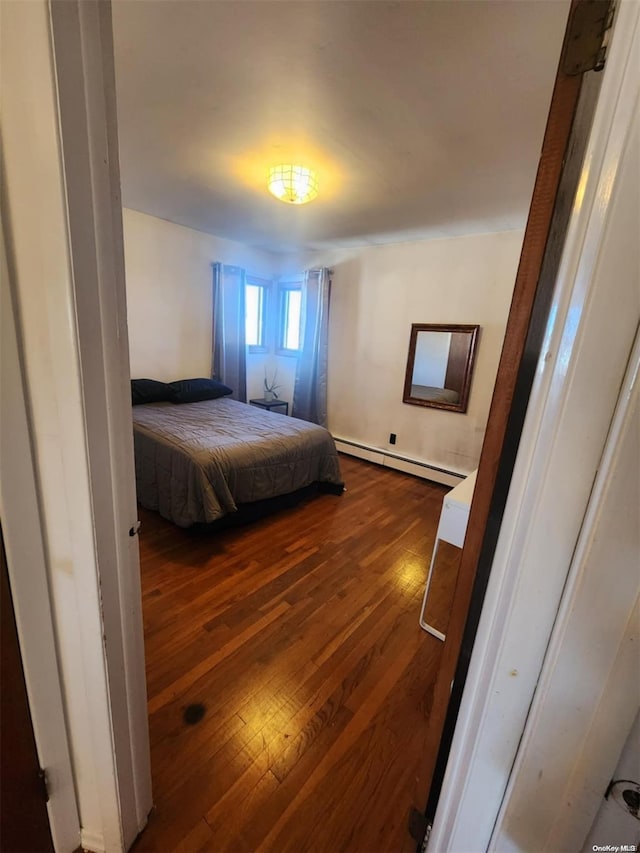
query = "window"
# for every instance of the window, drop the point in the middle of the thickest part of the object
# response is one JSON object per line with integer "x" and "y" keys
{"x": 289, "y": 319}
{"x": 272, "y": 317}
{"x": 255, "y": 311}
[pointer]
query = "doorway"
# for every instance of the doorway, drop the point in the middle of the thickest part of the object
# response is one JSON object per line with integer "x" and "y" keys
{"x": 23, "y": 806}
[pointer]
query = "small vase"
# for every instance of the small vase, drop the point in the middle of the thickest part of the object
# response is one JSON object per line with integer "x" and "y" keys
{"x": 269, "y": 396}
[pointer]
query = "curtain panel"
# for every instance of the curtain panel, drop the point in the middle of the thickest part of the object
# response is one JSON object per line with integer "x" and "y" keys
{"x": 229, "y": 360}
{"x": 310, "y": 391}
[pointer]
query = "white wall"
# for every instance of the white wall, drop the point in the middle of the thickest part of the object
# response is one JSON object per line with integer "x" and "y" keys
{"x": 378, "y": 292}
{"x": 169, "y": 294}
{"x": 169, "y": 302}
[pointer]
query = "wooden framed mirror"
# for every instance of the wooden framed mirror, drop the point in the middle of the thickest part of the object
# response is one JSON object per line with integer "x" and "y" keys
{"x": 439, "y": 366}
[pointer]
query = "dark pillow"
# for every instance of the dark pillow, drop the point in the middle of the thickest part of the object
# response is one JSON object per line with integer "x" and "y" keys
{"x": 149, "y": 391}
{"x": 195, "y": 390}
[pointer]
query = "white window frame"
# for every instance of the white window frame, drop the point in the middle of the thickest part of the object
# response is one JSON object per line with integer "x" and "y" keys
{"x": 267, "y": 287}
{"x": 285, "y": 287}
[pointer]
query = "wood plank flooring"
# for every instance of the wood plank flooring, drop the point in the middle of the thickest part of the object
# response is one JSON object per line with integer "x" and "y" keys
{"x": 298, "y": 635}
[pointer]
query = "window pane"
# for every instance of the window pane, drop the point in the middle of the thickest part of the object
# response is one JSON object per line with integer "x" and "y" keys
{"x": 253, "y": 315}
{"x": 291, "y": 325}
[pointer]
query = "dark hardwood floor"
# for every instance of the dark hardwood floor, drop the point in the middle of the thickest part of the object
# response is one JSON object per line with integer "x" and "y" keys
{"x": 298, "y": 636}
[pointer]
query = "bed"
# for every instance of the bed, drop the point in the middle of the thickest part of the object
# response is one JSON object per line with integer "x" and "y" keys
{"x": 435, "y": 395}
{"x": 198, "y": 462}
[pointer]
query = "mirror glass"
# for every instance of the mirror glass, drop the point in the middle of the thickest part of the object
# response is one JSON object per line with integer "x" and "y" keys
{"x": 439, "y": 366}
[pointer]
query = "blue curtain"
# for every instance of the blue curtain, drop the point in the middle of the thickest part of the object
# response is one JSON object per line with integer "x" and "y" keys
{"x": 310, "y": 391}
{"x": 229, "y": 361}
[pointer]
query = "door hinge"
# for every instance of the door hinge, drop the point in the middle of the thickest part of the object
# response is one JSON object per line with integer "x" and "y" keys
{"x": 587, "y": 37}
{"x": 419, "y": 828}
{"x": 44, "y": 784}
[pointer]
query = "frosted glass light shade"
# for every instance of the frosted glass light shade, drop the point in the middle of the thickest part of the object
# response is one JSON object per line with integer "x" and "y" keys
{"x": 293, "y": 184}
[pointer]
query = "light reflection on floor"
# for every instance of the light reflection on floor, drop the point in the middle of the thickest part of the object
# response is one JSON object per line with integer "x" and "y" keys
{"x": 410, "y": 573}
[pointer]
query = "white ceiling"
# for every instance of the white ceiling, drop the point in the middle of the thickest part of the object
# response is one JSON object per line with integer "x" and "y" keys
{"x": 422, "y": 118}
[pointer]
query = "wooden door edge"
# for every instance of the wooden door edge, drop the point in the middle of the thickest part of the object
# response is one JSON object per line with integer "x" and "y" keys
{"x": 513, "y": 384}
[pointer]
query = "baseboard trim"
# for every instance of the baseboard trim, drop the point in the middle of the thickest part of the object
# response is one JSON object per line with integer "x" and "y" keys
{"x": 399, "y": 463}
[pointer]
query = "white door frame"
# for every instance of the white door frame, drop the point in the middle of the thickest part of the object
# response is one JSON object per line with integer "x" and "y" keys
{"x": 84, "y": 58}
{"x": 29, "y": 585}
{"x": 62, "y": 221}
{"x": 587, "y": 344}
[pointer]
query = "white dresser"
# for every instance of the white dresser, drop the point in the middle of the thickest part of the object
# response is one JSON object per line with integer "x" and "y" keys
{"x": 451, "y": 528}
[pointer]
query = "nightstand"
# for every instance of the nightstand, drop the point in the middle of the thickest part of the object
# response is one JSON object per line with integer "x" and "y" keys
{"x": 270, "y": 404}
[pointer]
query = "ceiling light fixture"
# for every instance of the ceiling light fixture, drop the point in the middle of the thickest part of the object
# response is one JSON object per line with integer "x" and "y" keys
{"x": 293, "y": 184}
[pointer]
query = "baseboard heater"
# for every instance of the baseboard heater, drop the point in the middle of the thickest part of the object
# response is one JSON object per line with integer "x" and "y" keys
{"x": 400, "y": 463}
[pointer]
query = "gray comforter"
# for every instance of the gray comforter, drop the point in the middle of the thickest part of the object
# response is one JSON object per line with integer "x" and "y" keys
{"x": 197, "y": 462}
